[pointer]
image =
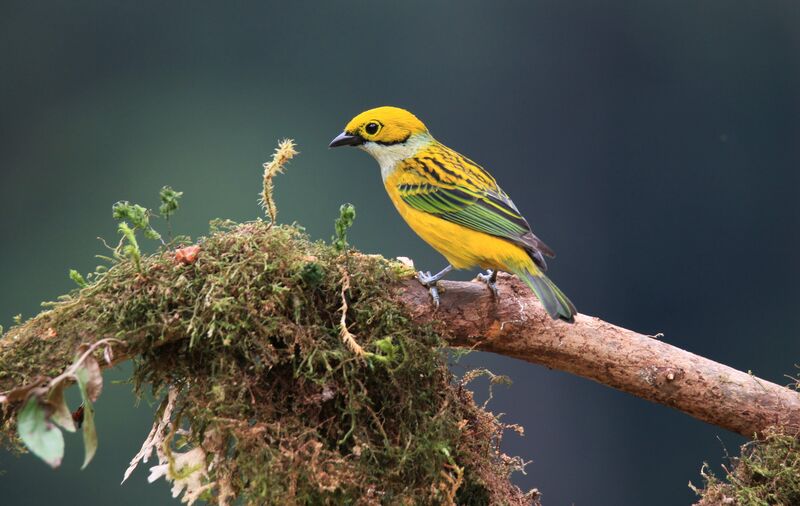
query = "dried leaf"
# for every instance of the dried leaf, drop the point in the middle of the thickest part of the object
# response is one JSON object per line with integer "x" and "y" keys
{"x": 22, "y": 393}
{"x": 60, "y": 411}
{"x": 187, "y": 472}
{"x": 187, "y": 255}
{"x": 89, "y": 373}
{"x": 42, "y": 438}
{"x": 156, "y": 436}
{"x": 407, "y": 262}
{"x": 108, "y": 355}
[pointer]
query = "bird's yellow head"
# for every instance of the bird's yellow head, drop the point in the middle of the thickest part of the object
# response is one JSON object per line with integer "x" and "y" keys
{"x": 382, "y": 126}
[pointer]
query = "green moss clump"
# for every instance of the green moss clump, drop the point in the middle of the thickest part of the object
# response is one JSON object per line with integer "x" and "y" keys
{"x": 249, "y": 334}
{"x": 767, "y": 473}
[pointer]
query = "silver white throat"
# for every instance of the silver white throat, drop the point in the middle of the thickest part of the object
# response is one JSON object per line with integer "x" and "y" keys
{"x": 388, "y": 156}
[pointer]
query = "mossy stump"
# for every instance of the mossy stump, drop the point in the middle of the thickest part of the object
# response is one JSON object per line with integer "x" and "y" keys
{"x": 766, "y": 473}
{"x": 248, "y": 335}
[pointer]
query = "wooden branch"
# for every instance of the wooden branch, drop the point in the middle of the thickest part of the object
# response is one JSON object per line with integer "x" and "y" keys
{"x": 517, "y": 326}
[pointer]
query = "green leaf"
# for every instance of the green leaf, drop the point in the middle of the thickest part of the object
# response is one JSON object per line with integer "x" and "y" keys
{"x": 86, "y": 378}
{"x": 347, "y": 214}
{"x": 130, "y": 250}
{"x": 61, "y": 414}
{"x": 137, "y": 215}
{"x": 169, "y": 201}
{"x": 42, "y": 438}
{"x": 89, "y": 434}
{"x": 77, "y": 278}
{"x": 152, "y": 234}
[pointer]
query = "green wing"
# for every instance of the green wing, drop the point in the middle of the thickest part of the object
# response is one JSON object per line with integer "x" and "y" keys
{"x": 491, "y": 212}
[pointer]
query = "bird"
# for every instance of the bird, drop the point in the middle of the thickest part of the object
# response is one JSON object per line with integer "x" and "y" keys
{"x": 454, "y": 205}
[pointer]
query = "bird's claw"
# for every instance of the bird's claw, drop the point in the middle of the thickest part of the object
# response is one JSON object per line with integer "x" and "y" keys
{"x": 490, "y": 279}
{"x": 430, "y": 282}
{"x": 434, "y": 295}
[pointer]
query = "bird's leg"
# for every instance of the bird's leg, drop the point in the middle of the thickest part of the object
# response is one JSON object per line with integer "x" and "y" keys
{"x": 429, "y": 281}
{"x": 490, "y": 278}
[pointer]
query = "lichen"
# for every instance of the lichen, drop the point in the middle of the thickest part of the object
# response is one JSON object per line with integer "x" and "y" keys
{"x": 249, "y": 335}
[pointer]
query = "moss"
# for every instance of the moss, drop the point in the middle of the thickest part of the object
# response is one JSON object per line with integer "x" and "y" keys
{"x": 767, "y": 473}
{"x": 249, "y": 333}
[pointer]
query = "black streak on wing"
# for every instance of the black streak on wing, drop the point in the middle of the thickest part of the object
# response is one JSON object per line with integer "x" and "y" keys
{"x": 535, "y": 247}
{"x": 494, "y": 200}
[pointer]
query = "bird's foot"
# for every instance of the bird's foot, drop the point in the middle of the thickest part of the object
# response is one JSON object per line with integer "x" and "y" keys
{"x": 490, "y": 278}
{"x": 430, "y": 281}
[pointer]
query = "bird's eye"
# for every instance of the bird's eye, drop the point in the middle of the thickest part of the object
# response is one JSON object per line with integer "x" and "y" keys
{"x": 372, "y": 128}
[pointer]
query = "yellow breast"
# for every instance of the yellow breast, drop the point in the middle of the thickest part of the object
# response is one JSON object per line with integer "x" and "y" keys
{"x": 464, "y": 248}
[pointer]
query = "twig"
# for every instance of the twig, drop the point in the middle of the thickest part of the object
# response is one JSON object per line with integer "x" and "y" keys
{"x": 70, "y": 372}
{"x": 344, "y": 333}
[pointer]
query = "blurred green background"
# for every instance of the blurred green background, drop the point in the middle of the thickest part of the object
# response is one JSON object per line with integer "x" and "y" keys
{"x": 654, "y": 145}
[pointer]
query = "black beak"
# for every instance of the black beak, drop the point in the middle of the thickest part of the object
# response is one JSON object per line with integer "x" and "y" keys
{"x": 345, "y": 139}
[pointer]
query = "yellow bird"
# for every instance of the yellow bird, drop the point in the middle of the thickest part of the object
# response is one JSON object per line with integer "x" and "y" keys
{"x": 453, "y": 204}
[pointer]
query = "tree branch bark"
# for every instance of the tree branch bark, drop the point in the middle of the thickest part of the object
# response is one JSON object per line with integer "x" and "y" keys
{"x": 517, "y": 326}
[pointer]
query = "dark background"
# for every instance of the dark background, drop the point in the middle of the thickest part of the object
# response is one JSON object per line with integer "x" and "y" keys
{"x": 654, "y": 145}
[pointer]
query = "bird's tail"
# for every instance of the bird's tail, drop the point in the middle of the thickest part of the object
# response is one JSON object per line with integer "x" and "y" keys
{"x": 554, "y": 301}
